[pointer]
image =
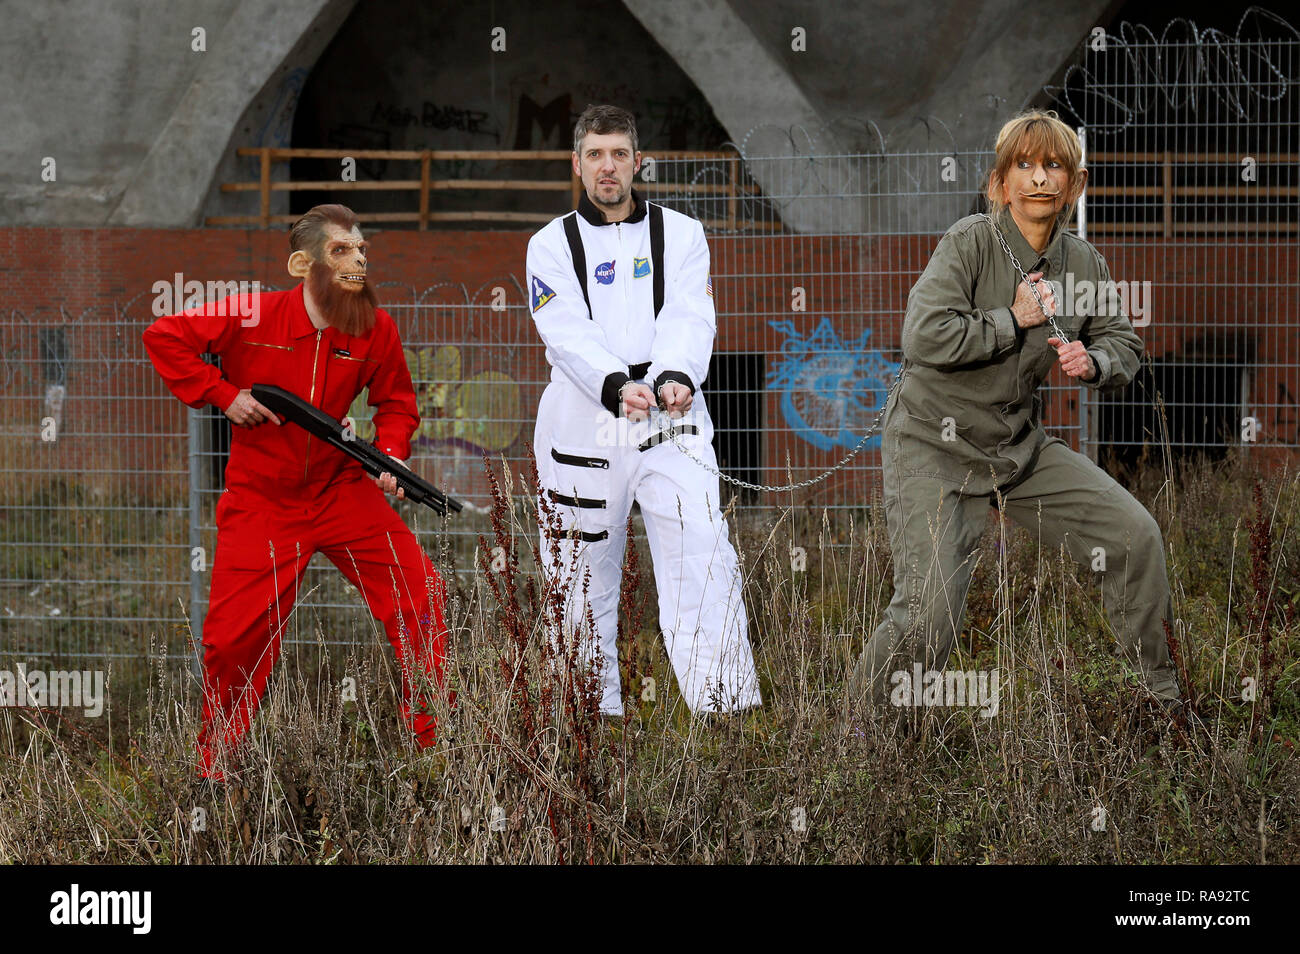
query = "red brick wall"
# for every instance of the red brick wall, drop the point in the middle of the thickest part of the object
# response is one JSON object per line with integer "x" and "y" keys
{"x": 100, "y": 282}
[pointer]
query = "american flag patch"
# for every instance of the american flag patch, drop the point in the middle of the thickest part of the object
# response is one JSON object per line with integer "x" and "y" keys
{"x": 708, "y": 285}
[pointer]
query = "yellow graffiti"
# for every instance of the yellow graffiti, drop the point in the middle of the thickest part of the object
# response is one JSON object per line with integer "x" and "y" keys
{"x": 482, "y": 411}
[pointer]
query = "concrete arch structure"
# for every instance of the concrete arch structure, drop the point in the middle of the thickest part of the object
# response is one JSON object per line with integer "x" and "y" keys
{"x": 136, "y": 120}
{"x": 888, "y": 65}
{"x": 142, "y": 127}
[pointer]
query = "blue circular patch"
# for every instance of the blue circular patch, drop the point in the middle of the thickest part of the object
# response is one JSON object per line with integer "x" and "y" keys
{"x": 605, "y": 273}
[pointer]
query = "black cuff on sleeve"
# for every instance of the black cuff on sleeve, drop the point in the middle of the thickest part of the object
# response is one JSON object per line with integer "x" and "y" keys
{"x": 614, "y": 382}
{"x": 1020, "y": 329}
{"x": 672, "y": 377}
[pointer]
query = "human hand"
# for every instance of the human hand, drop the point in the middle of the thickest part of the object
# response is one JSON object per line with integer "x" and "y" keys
{"x": 677, "y": 398}
{"x": 246, "y": 411}
{"x": 388, "y": 484}
{"x": 1025, "y": 307}
{"x": 1074, "y": 359}
{"x": 637, "y": 399}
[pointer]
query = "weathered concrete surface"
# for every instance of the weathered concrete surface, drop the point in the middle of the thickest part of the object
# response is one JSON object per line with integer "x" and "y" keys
{"x": 143, "y": 128}
{"x": 891, "y": 76}
{"x": 135, "y": 119}
{"x": 431, "y": 79}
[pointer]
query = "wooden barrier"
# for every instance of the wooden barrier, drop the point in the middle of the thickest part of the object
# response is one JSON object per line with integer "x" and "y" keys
{"x": 1169, "y": 225}
{"x": 426, "y": 185}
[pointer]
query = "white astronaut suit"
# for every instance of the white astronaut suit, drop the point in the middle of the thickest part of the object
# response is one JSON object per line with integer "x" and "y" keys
{"x": 650, "y": 318}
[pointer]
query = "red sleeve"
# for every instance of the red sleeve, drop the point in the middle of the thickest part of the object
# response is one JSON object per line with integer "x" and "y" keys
{"x": 392, "y": 394}
{"x": 176, "y": 344}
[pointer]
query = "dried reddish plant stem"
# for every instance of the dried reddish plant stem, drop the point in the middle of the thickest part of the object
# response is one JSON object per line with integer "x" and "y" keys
{"x": 513, "y": 656}
{"x": 631, "y": 604}
{"x": 1259, "y": 624}
{"x": 1180, "y": 664}
{"x": 553, "y": 719}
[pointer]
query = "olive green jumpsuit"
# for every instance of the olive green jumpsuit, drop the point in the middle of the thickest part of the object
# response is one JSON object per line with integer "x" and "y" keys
{"x": 965, "y": 426}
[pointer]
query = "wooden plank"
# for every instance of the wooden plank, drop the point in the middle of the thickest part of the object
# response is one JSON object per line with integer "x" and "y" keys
{"x": 400, "y": 185}
{"x": 1239, "y": 191}
{"x": 1167, "y": 181}
{"x": 521, "y": 185}
{"x": 247, "y": 219}
{"x": 508, "y": 217}
{"x": 733, "y": 176}
{"x": 745, "y": 225}
{"x": 691, "y": 154}
{"x": 1194, "y": 228}
{"x": 284, "y": 155}
{"x": 281, "y": 155}
{"x": 542, "y": 217}
{"x": 1276, "y": 192}
{"x": 1113, "y": 227}
{"x": 414, "y": 155}
{"x": 1125, "y": 190}
{"x": 1236, "y": 228}
{"x": 1192, "y": 158}
{"x": 522, "y": 155}
{"x": 265, "y": 187}
{"x": 286, "y": 219}
{"x": 721, "y": 190}
{"x": 330, "y": 185}
{"x": 530, "y": 185}
{"x": 424, "y": 191}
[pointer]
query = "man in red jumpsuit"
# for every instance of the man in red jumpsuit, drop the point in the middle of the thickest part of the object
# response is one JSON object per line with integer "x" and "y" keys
{"x": 288, "y": 495}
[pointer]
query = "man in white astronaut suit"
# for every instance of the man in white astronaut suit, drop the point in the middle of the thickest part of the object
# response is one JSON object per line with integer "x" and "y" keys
{"x": 621, "y": 295}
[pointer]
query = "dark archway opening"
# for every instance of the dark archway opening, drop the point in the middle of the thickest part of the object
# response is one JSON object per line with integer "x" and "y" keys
{"x": 1191, "y": 399}
{"x": 412, "y": 76}
{"x": 735, "y": 396}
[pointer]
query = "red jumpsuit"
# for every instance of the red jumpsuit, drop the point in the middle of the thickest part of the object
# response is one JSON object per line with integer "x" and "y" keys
{"x": 289, "y": 495}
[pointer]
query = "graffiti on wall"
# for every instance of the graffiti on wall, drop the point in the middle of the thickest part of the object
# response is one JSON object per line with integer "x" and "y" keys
{"x": 551, "y": 120}
{"x": 430, "y": 115}
{"x": 278, "y": 128}
{"x": 479, "y": 414}
{"x": 543, "y": 114}
{"x": 830, "y": 389}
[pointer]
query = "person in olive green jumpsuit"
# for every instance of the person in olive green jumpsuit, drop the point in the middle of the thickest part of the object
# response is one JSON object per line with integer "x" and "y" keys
{"x": 963, "y": 429}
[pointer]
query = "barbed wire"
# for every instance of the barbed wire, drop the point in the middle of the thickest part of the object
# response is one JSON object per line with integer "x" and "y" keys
{"x": 1179, "y": 66}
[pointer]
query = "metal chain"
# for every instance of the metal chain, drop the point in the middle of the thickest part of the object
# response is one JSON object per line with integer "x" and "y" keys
{"x": 675, "y": 436}
{"x": 671, "y": 432}
{"x": 1033, "y": 286}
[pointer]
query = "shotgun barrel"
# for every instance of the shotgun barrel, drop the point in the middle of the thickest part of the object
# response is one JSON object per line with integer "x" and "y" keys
{"x": 375, "y": 462}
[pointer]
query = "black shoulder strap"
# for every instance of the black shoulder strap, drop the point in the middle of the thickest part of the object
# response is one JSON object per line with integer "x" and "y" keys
{"x": 657, "y": 253}
{"x": 579, "y": 256}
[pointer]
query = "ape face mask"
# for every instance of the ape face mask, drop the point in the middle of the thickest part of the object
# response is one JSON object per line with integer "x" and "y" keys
{"x": 336, "y": 282}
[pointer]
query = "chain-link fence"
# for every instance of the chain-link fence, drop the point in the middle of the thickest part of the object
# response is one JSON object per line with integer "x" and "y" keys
{"x": 1192, "y": 139}
{"x": 94, "y": 504}
{"x": 107, "y": 487}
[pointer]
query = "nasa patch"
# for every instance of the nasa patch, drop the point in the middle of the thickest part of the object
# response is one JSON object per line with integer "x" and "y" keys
{"x": 541, "y": 293}
{"x": 605, "y": 273}
{"x": 640, "y": 267}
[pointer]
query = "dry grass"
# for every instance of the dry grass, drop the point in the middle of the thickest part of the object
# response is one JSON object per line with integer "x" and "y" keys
{"x": 1075, "y": 767}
